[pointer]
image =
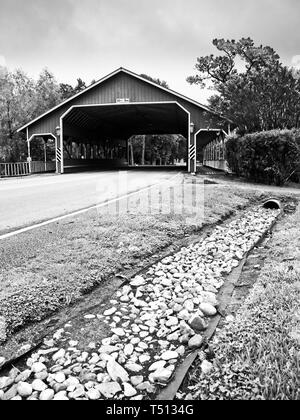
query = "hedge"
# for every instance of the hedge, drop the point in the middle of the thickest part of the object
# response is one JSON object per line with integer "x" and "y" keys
{"x": 271, "y": 156}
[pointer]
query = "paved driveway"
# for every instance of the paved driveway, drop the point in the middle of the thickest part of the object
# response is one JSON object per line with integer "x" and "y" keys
{"x": 35, "y": 199}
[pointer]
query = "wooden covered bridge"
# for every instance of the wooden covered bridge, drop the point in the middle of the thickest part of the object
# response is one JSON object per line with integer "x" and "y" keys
{"x": 118, "y": 106}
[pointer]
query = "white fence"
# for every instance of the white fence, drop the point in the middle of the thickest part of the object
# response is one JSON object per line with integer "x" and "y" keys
{"x": 25, "y": 168}
{"x": 14, "y": 169}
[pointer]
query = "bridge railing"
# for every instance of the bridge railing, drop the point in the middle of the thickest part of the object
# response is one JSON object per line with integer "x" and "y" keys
{"x": 14, "y": 169}
{"x": 215, "y": 155}
{"x": 25, "y": 168}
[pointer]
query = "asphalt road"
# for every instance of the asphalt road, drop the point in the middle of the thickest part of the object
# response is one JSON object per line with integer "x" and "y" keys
{"x": 27, "y": 201}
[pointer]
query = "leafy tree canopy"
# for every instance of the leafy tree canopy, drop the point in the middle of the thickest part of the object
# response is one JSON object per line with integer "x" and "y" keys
{"x": 253, "y": 87}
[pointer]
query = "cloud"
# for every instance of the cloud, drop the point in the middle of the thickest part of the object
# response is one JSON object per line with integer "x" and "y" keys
{"x": 2, "y": 61}
{"x": 89, "y": 39}
{"x": 296, "y": 61}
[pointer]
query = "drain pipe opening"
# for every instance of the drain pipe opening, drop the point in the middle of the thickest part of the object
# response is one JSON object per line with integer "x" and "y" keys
{"x": 272, "y": 204}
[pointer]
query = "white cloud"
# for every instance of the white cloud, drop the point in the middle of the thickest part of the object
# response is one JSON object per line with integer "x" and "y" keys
{"x": 296, "y": 61}
{"x": 2, "y": 61}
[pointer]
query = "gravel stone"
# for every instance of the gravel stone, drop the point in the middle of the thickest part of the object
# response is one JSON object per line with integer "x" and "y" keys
{"x": 24, "y": 389}
{"x": 195, "y": 342}
{"x": 47, "y": 395}
{"x": 109, "y": 389}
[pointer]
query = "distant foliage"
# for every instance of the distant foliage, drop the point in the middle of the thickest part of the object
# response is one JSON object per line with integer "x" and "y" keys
{"x": 158, "y": 149}
{"x": 272, "y": 156}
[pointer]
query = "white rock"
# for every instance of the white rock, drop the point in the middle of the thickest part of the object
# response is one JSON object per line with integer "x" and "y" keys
{"x": 157, "y": 365}
{"x": 128, "y": 349}
{"x": 166, "y": 282}
{"x": 61, "y": 396}
{"x": 116, "y": 371}
{"x": 129, "y": 391}
{"x": 195, "y": 342}
{"x": 93, "y": 394}
{"x": 47, "y": 395}
{"x": 138, "y": 281}
{"x": 136, "y": 380}
{"x": 208, "y": 309}
{"x": 38, "y": 367}
{"x": 59, "y": 377}
{"x": 184, "y": 314}
{"x": 88, "y": 317}
{"x": 24, "y": 389}
{"x": 133, "y": 367}
{"x": 161, "y": 375}
{"x": 169, "y": 355}
{"x": 78, "y": 393}
{"x": 110, "y": 312}
{"x": 181, "y": 350}
{"x": 144, "y": 358}
{"x": 206, "y": 367}
{"x": 118, "y": 331}
{"x": 59, "y": 355}
{"x": 94, "y": 360}
{"x": 107, "y": 349}
{"x": 109, "y": 389}
{"x": 38, "y": 385}
{"x": 4, "y": 382}
{"x": 172, "y": 321}
{"x": 189, "y": 305}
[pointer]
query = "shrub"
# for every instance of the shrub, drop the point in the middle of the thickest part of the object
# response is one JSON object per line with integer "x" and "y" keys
{"x": 232, "y": 154}
{"x": 269, "y": 156}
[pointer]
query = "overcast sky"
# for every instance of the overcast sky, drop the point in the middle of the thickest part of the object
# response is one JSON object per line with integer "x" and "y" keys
{"x": 163, "y": 38}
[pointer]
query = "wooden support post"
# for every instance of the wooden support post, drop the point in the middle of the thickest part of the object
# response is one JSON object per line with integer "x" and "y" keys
{"x": 29, "y": 155}
{"x": 192, "y": 154}
{"x": 59, "y": 154}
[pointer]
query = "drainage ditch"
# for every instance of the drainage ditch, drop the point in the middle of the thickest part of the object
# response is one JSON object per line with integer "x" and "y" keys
{"x": 155, "y": 325}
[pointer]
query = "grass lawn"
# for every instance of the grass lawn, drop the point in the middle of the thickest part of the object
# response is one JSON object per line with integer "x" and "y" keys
{"x": 257, "y": 355}
{"x": 50, "y": 268}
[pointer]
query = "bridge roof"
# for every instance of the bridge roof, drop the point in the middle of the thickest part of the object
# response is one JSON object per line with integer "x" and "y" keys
{"x": 124, "y": 71}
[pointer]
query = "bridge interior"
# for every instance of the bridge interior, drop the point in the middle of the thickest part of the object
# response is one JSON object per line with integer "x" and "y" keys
{"x": 98, "y": 135}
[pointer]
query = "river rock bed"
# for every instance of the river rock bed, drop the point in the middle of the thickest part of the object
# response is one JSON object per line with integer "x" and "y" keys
{"x": 155, "y": 320}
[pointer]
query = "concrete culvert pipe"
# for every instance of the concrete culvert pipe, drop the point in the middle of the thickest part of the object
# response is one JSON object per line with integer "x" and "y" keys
{"x": 272, "y": 203}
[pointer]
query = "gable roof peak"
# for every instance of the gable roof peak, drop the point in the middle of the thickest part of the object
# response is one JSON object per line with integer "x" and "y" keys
{"x": 135, "y": 75}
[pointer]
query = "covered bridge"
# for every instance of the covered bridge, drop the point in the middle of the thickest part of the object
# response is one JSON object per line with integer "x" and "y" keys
{"x": 118, "y": 106}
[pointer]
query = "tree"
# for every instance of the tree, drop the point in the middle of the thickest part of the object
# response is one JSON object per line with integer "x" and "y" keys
{"x": 81, "y": 85}
{"x": 67, "y": 91}
{"x": 159, "y": 82}
{"x": 17, "y": 98}
{"x": 253, "y": 87}
{"x": 48, "y": 93}
{"x": 23, "y": 99}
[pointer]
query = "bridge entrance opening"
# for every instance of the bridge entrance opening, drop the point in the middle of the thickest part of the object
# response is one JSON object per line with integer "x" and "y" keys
{"x": 124, "y": 135}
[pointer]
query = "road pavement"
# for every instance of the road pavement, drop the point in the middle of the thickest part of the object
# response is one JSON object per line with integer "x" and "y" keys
{"x": 31, "y": 200}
